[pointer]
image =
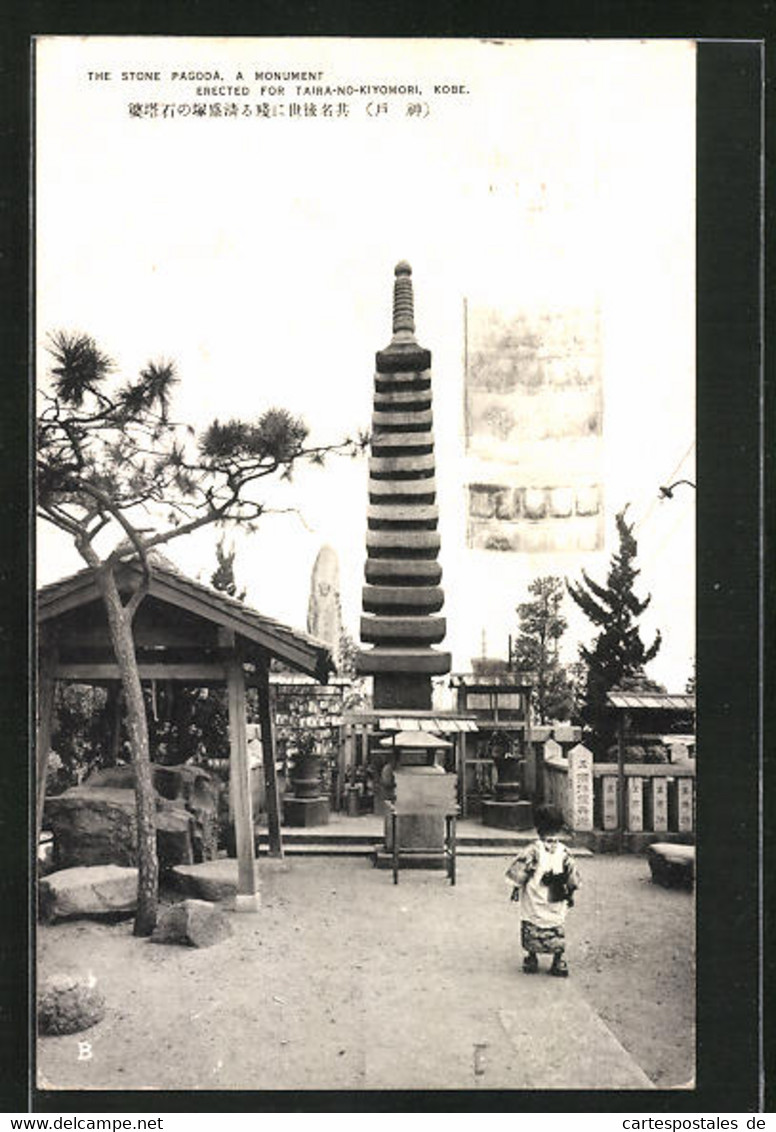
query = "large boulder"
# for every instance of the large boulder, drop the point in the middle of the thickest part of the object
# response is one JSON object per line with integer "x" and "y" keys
{"x": 92, "y": 827}
{"x": 95, "y": 823}
{"x": 67, "y": 1004}
{"x": 672, "y": 865}
{"x": 91, "y": 890}
{"x": 194, "y": 923}
{"x": 174, "y": 837}
{"x": 197, "y": 791}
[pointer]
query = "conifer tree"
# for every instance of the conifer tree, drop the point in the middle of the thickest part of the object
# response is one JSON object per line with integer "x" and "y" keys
{"x": 536, "y": 648}
{"x": 617, "y": 656}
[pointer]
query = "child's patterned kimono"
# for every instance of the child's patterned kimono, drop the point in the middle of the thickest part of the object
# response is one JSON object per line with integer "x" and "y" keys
{"x": 545, "y": 879}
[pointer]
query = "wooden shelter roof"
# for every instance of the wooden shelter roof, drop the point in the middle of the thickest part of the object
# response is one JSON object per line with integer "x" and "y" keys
{"x": 656, "y": 701}
{"x": 169, "y": 585}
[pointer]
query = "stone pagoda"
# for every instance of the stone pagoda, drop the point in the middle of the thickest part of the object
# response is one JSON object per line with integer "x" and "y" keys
{"x": 402, "y": 594}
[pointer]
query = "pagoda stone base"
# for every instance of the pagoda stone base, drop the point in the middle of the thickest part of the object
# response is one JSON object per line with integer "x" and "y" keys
{"x": 406, "y": 690}
{"x": 299, "y": 812}
{"x": 508, "y": 815}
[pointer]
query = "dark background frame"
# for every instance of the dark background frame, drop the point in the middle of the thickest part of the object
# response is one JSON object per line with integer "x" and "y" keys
{"x": 733, "y": 530}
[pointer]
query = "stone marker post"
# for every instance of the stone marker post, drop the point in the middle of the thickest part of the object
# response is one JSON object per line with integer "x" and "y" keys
{"x": 581, "y": 788}
{"x": 659, "y": 804}
{"x": 635, "y": 804}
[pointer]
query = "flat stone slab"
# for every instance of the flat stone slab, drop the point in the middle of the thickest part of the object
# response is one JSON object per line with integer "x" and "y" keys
{"x": 88, "y": 890}
{"x": 210, "y": 880}
{"x": 522, "y": 1032}
{"x": 562, "y": 1043}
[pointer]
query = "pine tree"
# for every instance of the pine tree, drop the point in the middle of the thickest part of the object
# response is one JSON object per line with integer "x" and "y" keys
{"x": 536, "y": 649}
{"x": 111, "y": 456}
{"x": 617, "y": 656}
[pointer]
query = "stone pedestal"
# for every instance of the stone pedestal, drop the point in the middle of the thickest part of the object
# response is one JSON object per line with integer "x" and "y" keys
{"x": 415, "y": 832}
{"x": 422, "y": 795}
{"x": 508, "y": 815}
{"x": 306, "y": 805}
{"x": 508, "y": 785}
{"x": 299, "y": 812}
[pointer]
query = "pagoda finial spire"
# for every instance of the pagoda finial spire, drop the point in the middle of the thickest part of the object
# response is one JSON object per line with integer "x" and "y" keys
{"x": 403, "y": 304}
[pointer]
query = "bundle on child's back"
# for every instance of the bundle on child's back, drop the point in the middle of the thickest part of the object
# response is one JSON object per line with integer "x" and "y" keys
{"x": 544, "y": 878}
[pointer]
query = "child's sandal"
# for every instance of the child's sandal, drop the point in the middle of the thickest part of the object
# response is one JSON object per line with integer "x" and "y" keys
{"x": 531, "y": 964}
{"x": 559, "y": 968}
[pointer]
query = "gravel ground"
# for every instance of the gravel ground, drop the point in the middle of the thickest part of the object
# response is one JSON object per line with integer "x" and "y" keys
{"x": 343, "y": 981}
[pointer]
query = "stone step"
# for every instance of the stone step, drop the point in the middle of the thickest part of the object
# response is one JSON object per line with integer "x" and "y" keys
{"x": 497, "y": 840}
{"x": 326, "y": 849}
{"x": 424, "y": 629}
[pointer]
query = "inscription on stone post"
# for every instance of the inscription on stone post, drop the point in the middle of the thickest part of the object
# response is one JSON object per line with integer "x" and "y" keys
{"x": 684, "y": 790}
{"x": 659, "y": 804}
{"x": 635, "y": 804}
{"x": 609, "y": 801}
{"x": 581, "y": 787}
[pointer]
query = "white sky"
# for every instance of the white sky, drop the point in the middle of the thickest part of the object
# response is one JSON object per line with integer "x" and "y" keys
{"x": 259, "y": 253}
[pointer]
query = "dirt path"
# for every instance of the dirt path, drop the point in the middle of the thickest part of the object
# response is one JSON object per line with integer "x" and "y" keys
{"x": 343, "y": 981}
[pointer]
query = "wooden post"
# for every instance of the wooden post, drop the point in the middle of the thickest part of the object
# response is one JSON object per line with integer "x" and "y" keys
{"x": 268, "y": 755}
{"x": 46, "y": 689}
{"x": 341, "y": 794}
{"x": 239, "y": 773}
{"x": 460, "y": 753}
{"x": 622, "y": 724}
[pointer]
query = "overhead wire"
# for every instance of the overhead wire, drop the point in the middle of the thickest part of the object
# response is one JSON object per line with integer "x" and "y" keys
{"x": 656, "y": 497}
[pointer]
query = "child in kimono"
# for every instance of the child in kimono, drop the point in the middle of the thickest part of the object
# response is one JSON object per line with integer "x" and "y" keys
{"x": 545, "y": 878}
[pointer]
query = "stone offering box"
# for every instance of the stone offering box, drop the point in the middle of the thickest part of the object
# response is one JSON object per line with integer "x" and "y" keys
{"x": 420, "y": 823}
